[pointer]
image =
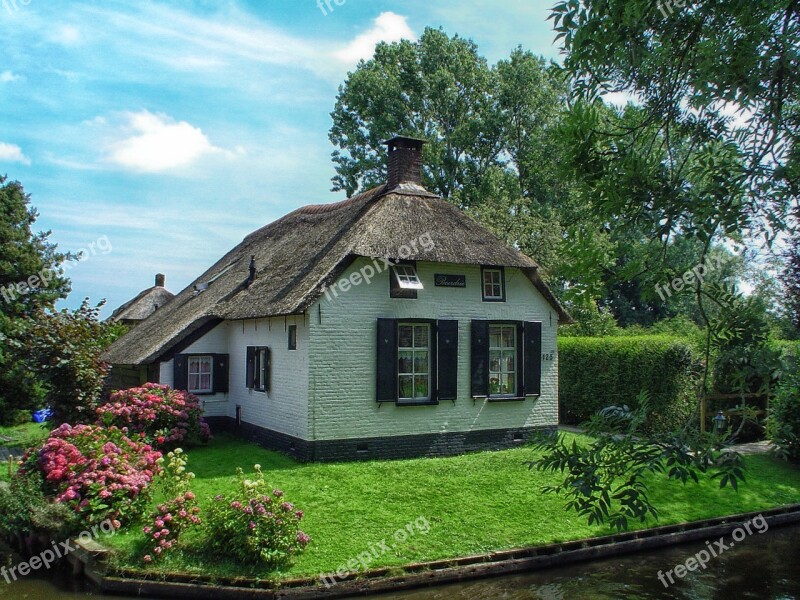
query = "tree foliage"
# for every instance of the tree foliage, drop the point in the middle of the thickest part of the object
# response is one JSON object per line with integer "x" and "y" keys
{"x": 718, "y": 86}
{"x": 606, "y": 476}
{"x": 64, "y": 348}
{"x": 23, "y": 254}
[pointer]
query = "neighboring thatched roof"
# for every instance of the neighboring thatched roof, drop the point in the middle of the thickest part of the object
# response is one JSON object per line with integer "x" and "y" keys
{"x": 143, "y": 305}
{"x": 297, "y": 255}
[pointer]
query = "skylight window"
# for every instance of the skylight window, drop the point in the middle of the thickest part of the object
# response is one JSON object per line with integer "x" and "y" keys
{"x": 407, "y": 277}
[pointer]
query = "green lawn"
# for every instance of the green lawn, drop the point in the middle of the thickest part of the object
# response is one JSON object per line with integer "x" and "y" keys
{"x": 474, "y": 503}
{"x": 22, "y": 436}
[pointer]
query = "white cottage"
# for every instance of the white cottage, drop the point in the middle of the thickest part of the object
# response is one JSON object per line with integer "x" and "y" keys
{"x": 387, "y": 325}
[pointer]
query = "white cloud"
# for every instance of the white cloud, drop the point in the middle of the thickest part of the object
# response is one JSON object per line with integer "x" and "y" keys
{"x": 13, "y": 153}
{"x": 388, "y": 27}
{"x": 156, "y": 142}
{"x": 66, "y": 35}
{"x": 8, "y": 77}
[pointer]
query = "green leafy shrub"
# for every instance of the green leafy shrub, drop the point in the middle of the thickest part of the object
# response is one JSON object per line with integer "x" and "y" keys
{"x": 599, "y": 372}
{"x": 784, "y": 419}
{"x": 255, "y": 524}
{"x": 24, "y": 509}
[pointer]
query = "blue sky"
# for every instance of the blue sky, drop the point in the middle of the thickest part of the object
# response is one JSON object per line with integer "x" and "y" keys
{"x": 163, "y": 133}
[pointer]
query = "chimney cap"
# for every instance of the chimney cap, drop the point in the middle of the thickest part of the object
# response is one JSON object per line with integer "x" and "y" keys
{"x": 404, "y": 141}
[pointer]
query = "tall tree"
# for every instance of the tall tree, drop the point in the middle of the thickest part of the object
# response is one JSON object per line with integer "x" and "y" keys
{"x": 437, "y": 88}
{"x": 29, "y": 283}
{"x": 791, "y": 280}
{"x": 719, "y": 90}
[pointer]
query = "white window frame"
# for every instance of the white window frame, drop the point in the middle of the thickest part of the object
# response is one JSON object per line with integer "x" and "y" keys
{"x": 260, "y": 367}
{"x": 499, "y": 283}
{"x": 413, "y": 350}
{"x": 407, "y": 278}
{"x": 505, "y": 351}
{"x": 196, "y": 361}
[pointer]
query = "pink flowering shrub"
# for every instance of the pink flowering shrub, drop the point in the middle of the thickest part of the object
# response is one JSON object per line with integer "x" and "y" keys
{"x": 254, "y": 524}
{"x": 168, "y": 522}
{"x": 179, "y": 513}
{"x": 99, "y": 472}
{"x": 167, "y": 418}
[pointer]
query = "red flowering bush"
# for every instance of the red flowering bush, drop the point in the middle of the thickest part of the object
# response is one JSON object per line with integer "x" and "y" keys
{"x": 99, "y": 472}
{"x": 255, "y": 525}
{"x": 167, "y": 418}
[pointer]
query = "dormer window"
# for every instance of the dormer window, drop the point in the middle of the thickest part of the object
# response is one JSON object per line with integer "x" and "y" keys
{"x": 407, "y": 277}
{"x": 404, "y": 281}
{"x": 493, "y": 284}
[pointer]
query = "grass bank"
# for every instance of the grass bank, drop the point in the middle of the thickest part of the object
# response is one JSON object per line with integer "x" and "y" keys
{"x": 23, "y": 436}
{"x": 475, "y": 503}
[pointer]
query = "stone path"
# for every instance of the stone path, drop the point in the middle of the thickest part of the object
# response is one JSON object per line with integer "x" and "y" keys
{"x": 762, "y": 447}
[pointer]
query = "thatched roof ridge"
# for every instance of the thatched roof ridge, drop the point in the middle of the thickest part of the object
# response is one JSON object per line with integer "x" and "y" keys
{"x": 144, "y": 304}
{"x": 300, "y": 253}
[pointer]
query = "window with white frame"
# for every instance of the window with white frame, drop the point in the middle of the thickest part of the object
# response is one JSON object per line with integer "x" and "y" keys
{"x": 407, "y": 277}
{"x": 502, "y": 360}
{"x": 261, "y": 371}
{"x": 201, "y": 374}
{"x": 414, "y": 362}
{"x": 493, "y": 285}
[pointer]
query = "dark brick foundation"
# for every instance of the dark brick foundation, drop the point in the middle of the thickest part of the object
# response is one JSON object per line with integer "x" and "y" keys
{"x": 400, "y": 446}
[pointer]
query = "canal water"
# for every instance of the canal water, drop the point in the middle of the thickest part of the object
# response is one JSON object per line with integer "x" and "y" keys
{"x": 761, "y": 566}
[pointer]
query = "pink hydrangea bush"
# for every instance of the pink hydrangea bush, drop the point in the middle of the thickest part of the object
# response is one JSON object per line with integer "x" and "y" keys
{"x": 169, "y": 521}
{"x": 167, "y": 418}
{"x": 99, "y": 472}
{"x": 254, "y": 524}
{"x": 177, "y": 514}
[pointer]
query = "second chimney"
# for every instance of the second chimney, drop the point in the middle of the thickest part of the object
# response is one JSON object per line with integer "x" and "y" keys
{"x": 405, "y": 161}
{"x": 161, "y": 280}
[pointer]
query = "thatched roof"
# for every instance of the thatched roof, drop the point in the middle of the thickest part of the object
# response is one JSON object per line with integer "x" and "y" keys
{"x": 297, "y": 255}
{"x": 143, "y": 305}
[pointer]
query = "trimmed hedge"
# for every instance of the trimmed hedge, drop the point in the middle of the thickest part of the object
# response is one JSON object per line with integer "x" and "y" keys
{"x": 598, "y": 372}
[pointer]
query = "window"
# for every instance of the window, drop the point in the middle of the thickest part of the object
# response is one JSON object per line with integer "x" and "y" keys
{"x": 494, "y": 289}
{"x": 505, "y": 359}
{"x": 292, "y": 337}
{"x": 502, "y": 360}
{"x": 404, "y": 281}
{"x": 414, "y": 362}
{"x": 407, "y": 277}
{"x": 201, "y": 378}
{"x": 259, "y": 362}
{"x": 200, "y": 373}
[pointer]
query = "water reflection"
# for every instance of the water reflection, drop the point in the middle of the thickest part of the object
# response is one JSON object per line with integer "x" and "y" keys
{"x": 763, "y": 566}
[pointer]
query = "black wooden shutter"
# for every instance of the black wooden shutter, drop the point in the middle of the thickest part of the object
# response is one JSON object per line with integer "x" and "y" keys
{"x": 180, "y": 372}
{"x": 221, "y": 373}
{"x": 533, "y": 358}
{"x": 268, "y": 370}
{"x": 386, "y": 378}
{"x": 447, "y": 359}
{"x": 251, "y": 366}
{"x": 520, "y": 359}
{"x": 479, "y": 358}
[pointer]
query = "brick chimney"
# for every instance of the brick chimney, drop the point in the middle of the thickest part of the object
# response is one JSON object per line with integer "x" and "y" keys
{"x": 161, "y": 280}
{"x": 405, "y": 161}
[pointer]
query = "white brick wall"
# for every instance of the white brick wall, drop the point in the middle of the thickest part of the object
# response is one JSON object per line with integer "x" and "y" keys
{"x": 285, "y": 408}
{"x": 343, "y": 357}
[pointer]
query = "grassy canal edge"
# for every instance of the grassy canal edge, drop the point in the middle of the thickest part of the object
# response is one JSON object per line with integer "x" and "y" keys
{"x": 392, "y": 514}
